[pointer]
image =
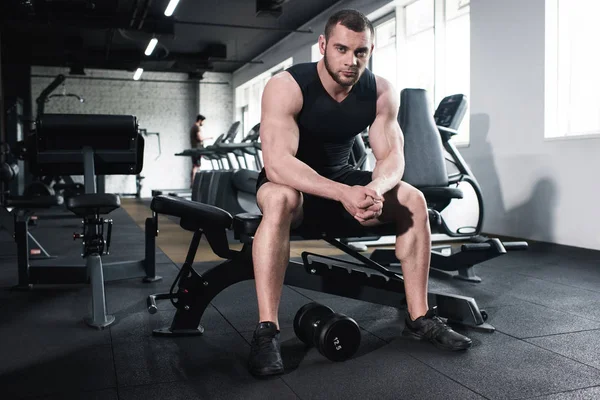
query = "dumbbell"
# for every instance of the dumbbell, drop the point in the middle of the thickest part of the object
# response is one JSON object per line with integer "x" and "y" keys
{"x": 336, "y": 336}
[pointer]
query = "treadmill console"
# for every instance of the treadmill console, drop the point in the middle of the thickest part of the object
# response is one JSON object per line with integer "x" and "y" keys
{"x": 451, "y": 111}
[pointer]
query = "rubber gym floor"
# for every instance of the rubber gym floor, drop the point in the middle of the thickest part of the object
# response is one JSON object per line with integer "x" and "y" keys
{"x": 544, "y": 304}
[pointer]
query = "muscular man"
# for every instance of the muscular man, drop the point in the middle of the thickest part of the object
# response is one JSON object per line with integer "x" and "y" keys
{"x": 310, "y": 116}
{"x": 197, "y": 137}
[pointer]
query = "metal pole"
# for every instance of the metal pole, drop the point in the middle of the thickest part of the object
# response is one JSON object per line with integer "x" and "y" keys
{"x": 2, "y": 114}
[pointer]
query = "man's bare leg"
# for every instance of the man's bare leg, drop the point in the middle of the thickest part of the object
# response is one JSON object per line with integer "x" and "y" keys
{"x": 408, "y": 208}
{"x": 280, "y": 205}
{"x": 413, "y": 246}
{"x": 195, "y": 169}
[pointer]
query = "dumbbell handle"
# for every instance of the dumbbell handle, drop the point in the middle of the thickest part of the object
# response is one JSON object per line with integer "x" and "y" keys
{"x": 151, "y": 301}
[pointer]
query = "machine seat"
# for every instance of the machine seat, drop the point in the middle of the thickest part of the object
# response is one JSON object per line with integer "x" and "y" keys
{"x": 93, "y": 204}
{"x": 194, "y": 216}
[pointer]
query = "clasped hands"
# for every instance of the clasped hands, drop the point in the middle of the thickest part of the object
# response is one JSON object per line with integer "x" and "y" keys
{"x": 362, "y": 202}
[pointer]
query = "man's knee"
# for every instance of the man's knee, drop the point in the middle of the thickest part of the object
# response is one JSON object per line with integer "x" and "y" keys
{"x": 415, "y": 201}
{"x": 278, "y": 200}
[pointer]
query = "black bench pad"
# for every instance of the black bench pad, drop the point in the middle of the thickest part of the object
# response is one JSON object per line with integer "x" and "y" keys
{"x": 247, "y": 224}
{"x": 194, "y": 216}
{"x": 30, "y": 203}
{"x": 93, "y": 203}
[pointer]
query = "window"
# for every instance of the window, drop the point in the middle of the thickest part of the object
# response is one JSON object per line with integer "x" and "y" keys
{"x": 457, "y": 58}
{"x": 384, "y": 54}
{"x": 248, "y": 96}
{"x": 315, "y": 53}
{"x": 435, "y": 51}
{"x": 572, "y": 103}
{"x": 419, "y": 47}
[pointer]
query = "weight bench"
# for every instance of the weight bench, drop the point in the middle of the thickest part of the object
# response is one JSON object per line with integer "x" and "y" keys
{"x": 362, "y": 279}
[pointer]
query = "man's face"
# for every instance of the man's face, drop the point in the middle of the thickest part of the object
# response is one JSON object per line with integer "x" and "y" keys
{"x": 201, "y": 122}
{"x": 346, "y": 54}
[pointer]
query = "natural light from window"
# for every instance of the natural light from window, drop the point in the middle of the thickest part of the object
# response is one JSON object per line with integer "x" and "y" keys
{"x": 572, "y": 68}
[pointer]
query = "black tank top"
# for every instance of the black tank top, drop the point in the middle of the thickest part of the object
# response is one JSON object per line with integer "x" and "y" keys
{"x": 328, "y": 128}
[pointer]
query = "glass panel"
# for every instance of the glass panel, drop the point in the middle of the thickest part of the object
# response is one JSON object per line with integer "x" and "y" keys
{"x": 384, "y": 55}
{"x": 456, "y": 8}
{"x": 420, "y": 56}
{"x": 579, "y": 63}
{"x": 457, "y": 71}
{"x": 385, "y": 34}
{"x": 419, "y": 16}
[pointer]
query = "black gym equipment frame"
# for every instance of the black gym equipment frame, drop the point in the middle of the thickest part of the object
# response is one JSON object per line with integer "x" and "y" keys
{"x": 364, "y": 280}
{"x": 87, "y": 145}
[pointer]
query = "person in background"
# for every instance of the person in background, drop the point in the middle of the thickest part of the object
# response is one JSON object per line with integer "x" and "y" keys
{"x": 197, "y": 138}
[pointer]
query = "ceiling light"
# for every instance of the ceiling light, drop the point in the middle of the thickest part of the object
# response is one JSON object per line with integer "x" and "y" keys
{"x": 171, "y": 7}
{"x": 137, "y": 74}
{"x": 151, "y": 46}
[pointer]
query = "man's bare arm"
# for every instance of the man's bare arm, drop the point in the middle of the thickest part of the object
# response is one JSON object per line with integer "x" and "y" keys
{"x": 386, "y": 140}
{"x": 202, "y": 136}
{"x": 281, "y": 102}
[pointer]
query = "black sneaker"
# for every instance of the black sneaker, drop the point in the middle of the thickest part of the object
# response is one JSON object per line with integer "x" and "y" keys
{"x": 265, "y": 353}
{"x": 430, "y": 327}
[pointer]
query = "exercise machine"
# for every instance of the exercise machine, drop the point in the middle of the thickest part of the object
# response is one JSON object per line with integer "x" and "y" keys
{"x": 426, "y": 144}
{"x": 17, "y": 212}
{"x": 88, "y": 145}
{"x": 361, "y": 279}
{"x": 215, "y": 153}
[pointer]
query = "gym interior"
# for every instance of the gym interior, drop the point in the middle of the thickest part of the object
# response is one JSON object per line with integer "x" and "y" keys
{"x": 125, "y": 276}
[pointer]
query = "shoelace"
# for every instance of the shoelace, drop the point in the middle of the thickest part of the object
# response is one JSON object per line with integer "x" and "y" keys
{"x": 434, "y": 326}
{"x": 262, "y": 343}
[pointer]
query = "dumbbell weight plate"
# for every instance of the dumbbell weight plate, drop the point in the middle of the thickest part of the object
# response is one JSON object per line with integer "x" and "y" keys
{"x": 338, "y": 337}
{"x": 305, "y": 318}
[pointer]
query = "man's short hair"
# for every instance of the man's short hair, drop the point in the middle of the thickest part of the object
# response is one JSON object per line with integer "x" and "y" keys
{"x": 200, "y": 117}
{"x": 351, "y": 19}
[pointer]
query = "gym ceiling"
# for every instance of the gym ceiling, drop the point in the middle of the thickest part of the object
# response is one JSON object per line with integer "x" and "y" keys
{"x": 201, "y": 35}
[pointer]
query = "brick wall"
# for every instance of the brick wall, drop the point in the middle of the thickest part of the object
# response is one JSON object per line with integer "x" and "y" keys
{"x": 169, "y": 108}
{"x": 164, "y": 107}
{"x": 216, "y": 104}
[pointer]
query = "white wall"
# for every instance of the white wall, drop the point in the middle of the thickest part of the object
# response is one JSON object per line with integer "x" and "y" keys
{"x": 533, "y": 188}
{"x": 216, "y": 103}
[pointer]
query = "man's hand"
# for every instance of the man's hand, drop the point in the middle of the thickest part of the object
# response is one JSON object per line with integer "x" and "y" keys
{"x": 362, "y": 202}
{"x": 372, "y": 211}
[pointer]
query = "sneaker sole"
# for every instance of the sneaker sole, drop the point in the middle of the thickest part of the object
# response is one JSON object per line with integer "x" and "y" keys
{"x": 415, "y": 336}
{"x": 265, "y": 372}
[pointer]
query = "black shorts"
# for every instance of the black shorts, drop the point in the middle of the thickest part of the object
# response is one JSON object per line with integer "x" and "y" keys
{"x": 321, "y": 213}
{"x": 196, "y": 160}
